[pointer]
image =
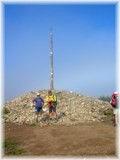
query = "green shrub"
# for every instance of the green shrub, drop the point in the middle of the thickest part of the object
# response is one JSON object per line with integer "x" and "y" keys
{"x": 6, "y": 110}
{"x": 108, "y": 112}
{"x": 105, "y": 98}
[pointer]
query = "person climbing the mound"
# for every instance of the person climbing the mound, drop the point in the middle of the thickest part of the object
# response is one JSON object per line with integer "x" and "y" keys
{"x": 38, "y": 102}
{"x": 51, "y": 100}
{"x": 115, "y": 102}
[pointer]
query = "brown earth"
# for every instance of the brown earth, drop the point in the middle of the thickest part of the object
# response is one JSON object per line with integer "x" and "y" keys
{"x": 80, "y": 140}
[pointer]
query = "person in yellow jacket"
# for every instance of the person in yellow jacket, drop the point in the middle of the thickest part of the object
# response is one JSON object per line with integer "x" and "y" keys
{"x": 51, "y": 100}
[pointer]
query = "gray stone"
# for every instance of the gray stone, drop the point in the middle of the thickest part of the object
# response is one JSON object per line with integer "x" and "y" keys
{"x": 72, "y": 108}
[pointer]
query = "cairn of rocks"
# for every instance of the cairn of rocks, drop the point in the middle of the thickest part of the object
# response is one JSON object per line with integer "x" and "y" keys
{"x": 72, "y": 108}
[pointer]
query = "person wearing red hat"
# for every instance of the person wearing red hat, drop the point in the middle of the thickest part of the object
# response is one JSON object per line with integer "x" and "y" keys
{"x": 115, "y": 102}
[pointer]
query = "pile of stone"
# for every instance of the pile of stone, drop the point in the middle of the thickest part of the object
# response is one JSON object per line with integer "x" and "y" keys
{"x": 72, "y": 108}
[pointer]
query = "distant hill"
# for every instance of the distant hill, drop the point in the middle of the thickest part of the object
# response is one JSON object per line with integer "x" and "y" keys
{"x": 72, "y": 108}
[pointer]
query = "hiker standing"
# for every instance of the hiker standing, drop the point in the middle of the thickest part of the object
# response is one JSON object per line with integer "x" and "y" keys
{"x": 51, "y": 100}
{"x": 114, "y": 103}
{"x": 38, "y": 103}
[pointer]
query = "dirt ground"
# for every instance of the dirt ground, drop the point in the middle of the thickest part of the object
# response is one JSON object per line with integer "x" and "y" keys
{"x": 96, "y": 139}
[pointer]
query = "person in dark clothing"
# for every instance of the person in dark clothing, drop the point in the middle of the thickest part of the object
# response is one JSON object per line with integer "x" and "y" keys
{"x": 114, "y": 102}
{"x": 38, "y": 103}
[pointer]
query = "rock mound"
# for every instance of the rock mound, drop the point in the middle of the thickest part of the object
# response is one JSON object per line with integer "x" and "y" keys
{"x": 72, "y": 108}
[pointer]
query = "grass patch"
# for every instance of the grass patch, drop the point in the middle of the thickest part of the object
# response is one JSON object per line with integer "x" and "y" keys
{"x": 11, "y": 147}
{"x": 33, "y": 124}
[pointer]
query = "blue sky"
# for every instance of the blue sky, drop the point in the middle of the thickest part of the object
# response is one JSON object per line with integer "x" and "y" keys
{"x": 84, "y": 48}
